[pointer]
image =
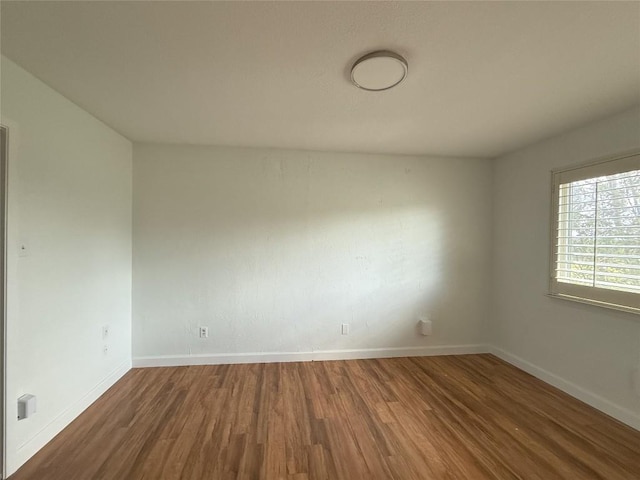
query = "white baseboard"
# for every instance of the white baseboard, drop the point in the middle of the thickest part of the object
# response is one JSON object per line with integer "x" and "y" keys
{"x": 318, "y": 355}
{"x": 44, "y": 436}
{"x": 596, "y": 401}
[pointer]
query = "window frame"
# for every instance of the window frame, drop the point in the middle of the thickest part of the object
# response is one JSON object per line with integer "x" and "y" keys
{"x": 608, "y": 298}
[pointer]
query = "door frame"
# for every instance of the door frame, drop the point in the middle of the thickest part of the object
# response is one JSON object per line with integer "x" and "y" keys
{"x": 4, "y": 182}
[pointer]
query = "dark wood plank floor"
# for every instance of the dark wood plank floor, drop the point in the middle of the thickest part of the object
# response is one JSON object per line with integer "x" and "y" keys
{"x": 463, "y": 417}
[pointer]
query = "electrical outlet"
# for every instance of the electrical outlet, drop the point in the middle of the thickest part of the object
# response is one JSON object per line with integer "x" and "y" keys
{"x": 204, "y": 332}
{"x": 23, "y": 250}
{"x": 105, "y": 332}
{"x": 105, "y": 350}
{"x": 345, "y": 329}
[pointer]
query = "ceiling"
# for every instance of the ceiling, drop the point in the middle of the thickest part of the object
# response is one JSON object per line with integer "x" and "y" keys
{"x": 485, "y": 78}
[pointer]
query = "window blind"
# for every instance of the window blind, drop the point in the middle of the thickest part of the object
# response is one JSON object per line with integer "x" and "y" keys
{"x": 598, "y": 234}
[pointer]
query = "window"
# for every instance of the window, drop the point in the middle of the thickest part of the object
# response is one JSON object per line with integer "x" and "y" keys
{"x": 596, "y": 233}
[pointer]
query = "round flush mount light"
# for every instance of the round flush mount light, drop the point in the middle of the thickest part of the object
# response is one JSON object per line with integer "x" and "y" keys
{"x": 378, "y": 71}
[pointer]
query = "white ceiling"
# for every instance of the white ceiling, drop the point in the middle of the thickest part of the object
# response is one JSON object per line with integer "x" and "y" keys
{"x": 484, "y": 77}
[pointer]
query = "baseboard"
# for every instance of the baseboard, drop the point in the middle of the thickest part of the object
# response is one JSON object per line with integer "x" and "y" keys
{"x": 318, "y": 355}
{"x": 622, "y": 414}
{"x": 44, "y": 436}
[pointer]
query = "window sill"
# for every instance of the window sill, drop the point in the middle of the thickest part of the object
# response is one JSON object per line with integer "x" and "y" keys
{"x": 587, "y": 301}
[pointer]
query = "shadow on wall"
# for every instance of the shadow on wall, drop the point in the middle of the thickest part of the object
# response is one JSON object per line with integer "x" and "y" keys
{"x": 274, "y": 251}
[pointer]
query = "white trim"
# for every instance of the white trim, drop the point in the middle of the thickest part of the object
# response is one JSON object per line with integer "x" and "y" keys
{"x": 598, "y": 167}
{"x": 588, "y": 301}
{"x": 4, "y": 206}
{"x": 44, "y": 436}
{"x": 596, "y": 401}
{"x": 318, "y": 355}
{"x": 603, "y": 297}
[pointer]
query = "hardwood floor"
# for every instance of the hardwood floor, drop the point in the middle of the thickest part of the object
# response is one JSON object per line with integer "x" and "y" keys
{"x": 462, "y": 417}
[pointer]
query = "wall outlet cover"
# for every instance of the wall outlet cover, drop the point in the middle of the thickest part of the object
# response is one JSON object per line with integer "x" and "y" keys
{"x": 426, "y": 326}
{"x": 26, "y": 406}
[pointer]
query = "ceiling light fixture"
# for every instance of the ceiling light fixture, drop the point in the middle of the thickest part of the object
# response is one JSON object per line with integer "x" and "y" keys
{"x": 378, "y": 71}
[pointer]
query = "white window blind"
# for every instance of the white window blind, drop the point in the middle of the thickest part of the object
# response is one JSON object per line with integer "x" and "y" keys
{"x": 596, "y": 250}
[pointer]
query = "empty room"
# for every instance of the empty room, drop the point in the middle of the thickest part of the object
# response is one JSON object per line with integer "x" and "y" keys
{"x": 318, "y": 240}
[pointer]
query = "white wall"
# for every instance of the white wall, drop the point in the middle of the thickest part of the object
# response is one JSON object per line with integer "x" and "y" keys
{"x": 587, "y": 350}
{"x": 273, "y": 250}
{"x": 70, "y": 203}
